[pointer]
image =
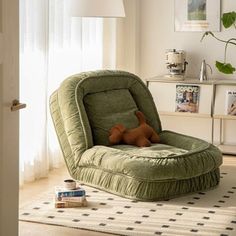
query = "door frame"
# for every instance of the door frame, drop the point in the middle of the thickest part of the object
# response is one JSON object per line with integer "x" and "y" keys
{"x": 9, "y": 121}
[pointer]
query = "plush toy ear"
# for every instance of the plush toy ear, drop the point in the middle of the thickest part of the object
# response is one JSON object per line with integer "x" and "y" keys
{"x": 116, "y": 134}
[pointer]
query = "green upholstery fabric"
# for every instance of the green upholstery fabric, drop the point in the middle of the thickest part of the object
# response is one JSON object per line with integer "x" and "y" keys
{"x": 105, "y": 109}
{"x": 155, "y": 151}
{"x": 178, "y": 165}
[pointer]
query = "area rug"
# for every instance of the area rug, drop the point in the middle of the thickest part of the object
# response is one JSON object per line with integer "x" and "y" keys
{"x": 204, "y": 213}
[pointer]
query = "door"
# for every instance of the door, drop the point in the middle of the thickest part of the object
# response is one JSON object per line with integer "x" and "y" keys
{"x": 9, "y": 120}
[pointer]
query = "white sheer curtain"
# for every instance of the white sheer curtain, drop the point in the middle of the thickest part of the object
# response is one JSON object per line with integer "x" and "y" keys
{"x": 52, "y": 46}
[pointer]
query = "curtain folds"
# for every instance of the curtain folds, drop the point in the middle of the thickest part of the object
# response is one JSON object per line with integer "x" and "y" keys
{"x": 52, "y": 46}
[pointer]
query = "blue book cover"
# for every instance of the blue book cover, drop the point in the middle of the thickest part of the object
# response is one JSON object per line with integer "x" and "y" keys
{"x": 62, "y": 192}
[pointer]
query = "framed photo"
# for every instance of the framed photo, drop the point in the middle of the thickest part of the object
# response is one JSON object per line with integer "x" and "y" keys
{"x": 187, "y": 98}
{"x": 197, "y": 15}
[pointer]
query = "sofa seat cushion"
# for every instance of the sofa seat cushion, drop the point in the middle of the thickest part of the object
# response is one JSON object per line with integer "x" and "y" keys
{"x": 156, "y": 163}
{"x": 154, "y": 151}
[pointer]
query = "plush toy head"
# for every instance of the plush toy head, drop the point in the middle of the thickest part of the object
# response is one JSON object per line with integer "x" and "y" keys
{"x": 142, "y": 136}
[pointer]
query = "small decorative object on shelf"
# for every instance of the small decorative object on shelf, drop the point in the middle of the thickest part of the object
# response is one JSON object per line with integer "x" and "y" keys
{"x": 70, "y": 195}
{"x": 176, "y": 64}
{"x": 203, "y": 71}
{"x": 231, "y": 103}
{"x": 187, "y": 98}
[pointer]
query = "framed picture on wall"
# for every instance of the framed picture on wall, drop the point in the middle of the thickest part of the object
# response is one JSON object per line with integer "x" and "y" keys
{"x": 197, "y": 15}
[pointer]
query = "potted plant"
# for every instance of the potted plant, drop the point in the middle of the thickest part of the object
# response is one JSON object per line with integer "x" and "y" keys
{"x": 229, "y": 20}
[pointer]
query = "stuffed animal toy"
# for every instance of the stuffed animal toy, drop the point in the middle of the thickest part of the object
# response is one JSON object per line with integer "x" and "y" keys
{"x": 142, "y": 136}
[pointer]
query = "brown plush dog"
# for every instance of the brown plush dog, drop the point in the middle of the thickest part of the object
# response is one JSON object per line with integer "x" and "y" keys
{"x": 142, "y": 136}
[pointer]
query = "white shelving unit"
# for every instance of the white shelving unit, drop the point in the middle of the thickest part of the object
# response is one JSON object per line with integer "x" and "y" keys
{"x": 211, "y": 103}
{"x": 226, "y": 149}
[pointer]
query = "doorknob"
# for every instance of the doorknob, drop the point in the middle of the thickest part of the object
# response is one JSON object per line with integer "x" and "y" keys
{"x": 16, "y": 105}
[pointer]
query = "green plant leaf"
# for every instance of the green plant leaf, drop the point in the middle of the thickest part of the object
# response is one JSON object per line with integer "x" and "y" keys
{"x": 228, "y": 19}
{"x": 225, "y": 68}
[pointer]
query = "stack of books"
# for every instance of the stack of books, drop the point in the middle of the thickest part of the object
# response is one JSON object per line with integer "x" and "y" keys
{"x": 65, "y": 198}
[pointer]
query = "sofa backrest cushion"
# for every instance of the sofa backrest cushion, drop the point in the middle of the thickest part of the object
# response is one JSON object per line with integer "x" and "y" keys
{"x": 108, "y": 108}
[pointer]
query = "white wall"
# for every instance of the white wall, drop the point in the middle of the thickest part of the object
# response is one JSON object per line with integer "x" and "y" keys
{"x": 128, "y": 35}
{"x": 157, "y": 34}
{"x": 121, "y": 39}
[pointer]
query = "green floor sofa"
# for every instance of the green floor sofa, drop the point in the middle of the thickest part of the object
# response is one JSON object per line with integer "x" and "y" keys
{"x": 87, "y": 105}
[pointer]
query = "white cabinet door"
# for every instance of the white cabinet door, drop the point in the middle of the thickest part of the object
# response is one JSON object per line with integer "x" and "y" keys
{"x": 9, "y": 121}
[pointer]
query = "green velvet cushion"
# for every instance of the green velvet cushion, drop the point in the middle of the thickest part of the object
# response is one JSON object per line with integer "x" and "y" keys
{"x": 156, "y": 150}
{"x": 158, "y": 162}
{"x": 108, "y": 108}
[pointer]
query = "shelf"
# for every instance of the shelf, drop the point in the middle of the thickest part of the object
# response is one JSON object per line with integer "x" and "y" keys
{"x": 225, "y": 117}
{"x": 211, "y": 105}
{"x": 185, "y": 81}
{"x": 228, "y": 149}
{"x": 188, "y": 80}
{"x": 184, "y": 114}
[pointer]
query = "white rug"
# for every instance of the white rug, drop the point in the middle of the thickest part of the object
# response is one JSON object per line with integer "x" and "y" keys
{"x": 205, "y": 213}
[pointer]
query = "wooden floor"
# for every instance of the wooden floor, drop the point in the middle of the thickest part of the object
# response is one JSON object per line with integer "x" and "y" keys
{"x": 56, "y": 177}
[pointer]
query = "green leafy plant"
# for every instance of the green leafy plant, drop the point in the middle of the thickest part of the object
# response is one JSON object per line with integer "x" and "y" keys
{"x": 229, "y": 20}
